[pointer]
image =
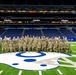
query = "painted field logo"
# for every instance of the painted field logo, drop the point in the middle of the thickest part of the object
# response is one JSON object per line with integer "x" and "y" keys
{"x": 32, "y": 60}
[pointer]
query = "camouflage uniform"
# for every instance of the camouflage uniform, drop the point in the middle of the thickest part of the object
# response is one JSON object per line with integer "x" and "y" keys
{"x": 38, "y": 46}
{"x": 55, "y": 46}
{"x": 0, "y": 44}
{"x": 10, "y": 46}
{"x": 19, "y": 45}
{"x": 5, "y": 46}
{"x": 24, "y": 46}
{"x": 14, "y": 45}
{"x": 61, "y": 46}
{"x": 67, "y": 46}
{"x": 49, "y": 46}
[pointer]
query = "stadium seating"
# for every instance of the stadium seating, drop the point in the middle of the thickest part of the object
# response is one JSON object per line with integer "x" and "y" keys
{"x": 32, "y": 32}
{"x": 67, "y": 33}
{"x": 13, "y": 32}
{"x": 1, "y": 31}
{"x": 70, "y": 35}
{"x": 52, "y": 32}
{"x": 37, "y": 32}
{"x": 74, "y": 30}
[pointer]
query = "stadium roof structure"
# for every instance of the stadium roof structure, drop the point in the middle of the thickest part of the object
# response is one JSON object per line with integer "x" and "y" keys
{"x": 39, "y": 2}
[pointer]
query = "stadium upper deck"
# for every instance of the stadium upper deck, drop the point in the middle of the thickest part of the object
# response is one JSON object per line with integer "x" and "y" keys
{"x": 37, "y": 15}
{"x": 37, "y": 12}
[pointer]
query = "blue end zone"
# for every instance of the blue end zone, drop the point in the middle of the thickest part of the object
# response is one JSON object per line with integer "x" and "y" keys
{"x": 20, "y": 54}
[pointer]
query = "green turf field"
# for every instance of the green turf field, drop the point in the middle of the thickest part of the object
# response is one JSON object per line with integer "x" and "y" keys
{"x": 6, "y": 70}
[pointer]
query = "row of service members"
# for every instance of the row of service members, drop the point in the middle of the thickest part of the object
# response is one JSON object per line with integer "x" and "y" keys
{"x": 27, "y": 43}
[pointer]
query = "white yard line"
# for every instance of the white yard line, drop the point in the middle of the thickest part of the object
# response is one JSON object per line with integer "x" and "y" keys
{"x": 67, "y": 66}
{"x": 66, "y": 59}
{"x": 1, "y": 71}
{"x": 72, "y": 42}
{"x": 74, "y": 55}
{"x": 59, "y": 71}
{"x": 40, "y": 73}
{"x": 20, "y": 72}
{"x": 75, "y": 69}
{"x": 72, "y": 45}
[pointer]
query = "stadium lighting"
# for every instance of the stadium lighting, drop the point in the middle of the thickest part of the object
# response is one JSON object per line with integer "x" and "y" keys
{"x": 7, "y": 20}
{"x": 64, "y": 20}
{"x": 36, "y": 20}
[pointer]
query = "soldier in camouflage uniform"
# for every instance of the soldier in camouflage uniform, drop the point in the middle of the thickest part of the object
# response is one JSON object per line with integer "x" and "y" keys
{"x": 19, "y": 45}
{"x": 49, "y": 46}
{"x": 55, "y": 46}
{"x": 35, "y": 44}
{"x": 67, "y": 46}
{"x": 0, "y": 44}
{"x": 10, "y": 46}
{"x": 43, "y": 43}
{"x": 61, "y": 46}
{"x": 24, "y": 46}
{"x": 5, "y": 48}
{"x": 38, "y": 44}
{"x": 14, "y": 44}
{"x": 28, "y": 46}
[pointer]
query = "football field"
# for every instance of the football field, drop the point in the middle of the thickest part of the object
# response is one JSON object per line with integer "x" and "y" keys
{"x": 7, "y": 70}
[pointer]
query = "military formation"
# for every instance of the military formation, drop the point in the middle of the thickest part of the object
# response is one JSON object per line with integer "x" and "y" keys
{"x": 32, "y": 43}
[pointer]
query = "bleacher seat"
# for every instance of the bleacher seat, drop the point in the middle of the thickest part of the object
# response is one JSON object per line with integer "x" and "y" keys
{"x": 68, "y": 33}
{"x": 13, "y": 32}
{"x": 52, "y": 32}
{"x": 1, "y": 31}
{"x": 33, "y": 32}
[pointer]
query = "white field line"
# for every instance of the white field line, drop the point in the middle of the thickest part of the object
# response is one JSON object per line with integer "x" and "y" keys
{"x": 73, "y": 45}
{"x": 59, "y": 71}
{"x": 20, "y": 72}
{"x": 67, "y": 66}
{"x": 75, "y": 69}
{"x": 63, "y": 61}
{"x": 72, "y": 42}
{"x": 1, "y": 71}
{"x": 66, "y": 59}
{"x": 40, "y": 73}
{"x": 74, "y": 55}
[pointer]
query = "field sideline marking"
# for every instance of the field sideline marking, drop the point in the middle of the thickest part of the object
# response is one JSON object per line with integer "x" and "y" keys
{"x": 59, "y": 71}
{"x": 40, "y": 73}
{"x": 20, "y": 72}
{"x": 1, "y": 71}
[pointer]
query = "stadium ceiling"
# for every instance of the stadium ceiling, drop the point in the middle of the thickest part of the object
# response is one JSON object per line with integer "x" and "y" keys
{"x": 39, "y": 2}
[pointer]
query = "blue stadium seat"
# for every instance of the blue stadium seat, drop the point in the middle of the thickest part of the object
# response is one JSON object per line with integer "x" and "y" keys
{"x": 33, "y": 32}
{"x": 52, "y": 32}
{"x": 13, "y": 32}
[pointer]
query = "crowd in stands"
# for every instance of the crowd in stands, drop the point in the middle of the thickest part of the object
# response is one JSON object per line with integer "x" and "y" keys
{"x": 32, "y": 43}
